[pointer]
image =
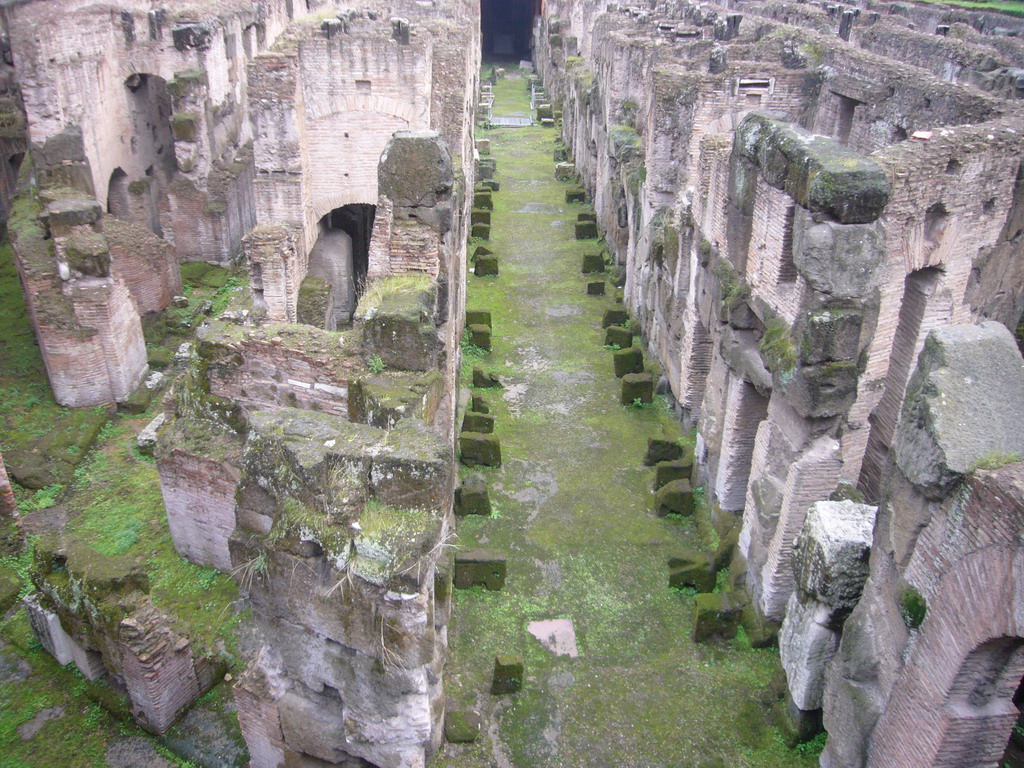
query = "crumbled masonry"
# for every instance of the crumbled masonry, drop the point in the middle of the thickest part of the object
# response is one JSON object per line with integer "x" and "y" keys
{"x": 466, "y": 383}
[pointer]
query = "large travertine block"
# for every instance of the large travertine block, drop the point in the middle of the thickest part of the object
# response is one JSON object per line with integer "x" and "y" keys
{"x": 807, "y": 645}
{"x": 964, "y": 403}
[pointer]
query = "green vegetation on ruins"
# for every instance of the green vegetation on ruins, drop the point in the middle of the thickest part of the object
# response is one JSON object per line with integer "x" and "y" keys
{"x": 572, "y": 511}
{"x": 109, "y": 495}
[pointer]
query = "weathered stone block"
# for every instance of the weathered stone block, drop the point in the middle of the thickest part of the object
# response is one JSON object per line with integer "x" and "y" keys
{"x": 576, "y": 195}
{"x": 483, "y": 199}
{"x": 481, "y": 250}
{"x": 586, "y": 230}
{"x": 593, "y": 262}
{"x": 478, "y": 422}
{"x": 492, "y": 184}
{"x": 691, "y": 568}
{"x": 472, "y": 497}
{"x": 661, "y": 449}
{"x": 964, "y": 402}
{"x": 818, "y": 172}
{"x": 586, "y": 216}
{"x": 401, "y": 330}
{"x": 669, "y": 471}
{"x": 629, "y": 360}
{"x": 462, "y": 727}
{"x": 637, "y": 387}
{"x": 480, "y": 567}
{"x": 480, "y": 336}
{"x": 674, "y": 498}
{"x": 478, "y": 317}
{"x": 565, "y": 171}
{"x": 486, "y": 266}
{"x": 596, "y": 288}
{"x": 715, "y": 616}
{"x": 544, "y": 111}
{"x": 478, "y": 449}
{"x": 87, "y": 252}
{"x": 831, "y": 335}
{"x": 831, "y": 556}
{"x": 547, "y": 122}
{"x": 480, "y": 217}
{"x": 614, "y": 317}
{"x": 479, "y": 404}
{"x": 843, "y": 260}
{"x": 62, "y": 215}
{"x": 416, "y": 169}
{"x": 137, "y": 402}
{"x": 617, "y": 336}
{"x": 481, "y": 231}
{"x": 807, "y": 644}
{"x": 508, "y": 675}
{"x": 485, "y": 380}
{"x": 385, "y": 399}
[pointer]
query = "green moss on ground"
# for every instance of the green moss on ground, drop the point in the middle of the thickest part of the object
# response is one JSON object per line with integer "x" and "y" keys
{"x": 572, "y": 512}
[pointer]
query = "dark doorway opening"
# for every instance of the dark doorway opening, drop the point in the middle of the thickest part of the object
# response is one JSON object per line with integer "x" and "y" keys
{"x": 1014, "y": 755}
{"x": 507, "y": 27}
{"x": 340, "y": 257}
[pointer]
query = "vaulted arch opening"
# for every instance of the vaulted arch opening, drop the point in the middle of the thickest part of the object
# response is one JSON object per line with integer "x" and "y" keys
{"x": 339, "y": 259}
{"x": 507, "y": 27}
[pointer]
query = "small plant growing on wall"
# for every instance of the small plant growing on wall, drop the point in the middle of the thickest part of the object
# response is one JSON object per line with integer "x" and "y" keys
{"x": 913, "y": 608}
{"x": 376, "y": 364}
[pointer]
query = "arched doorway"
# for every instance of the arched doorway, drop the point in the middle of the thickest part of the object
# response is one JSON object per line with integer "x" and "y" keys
{"x": 340, "y": 257}
{"x": 118, "y": 204}
{"x": 151, "y": 165}
{"x": 1013, "y": 757}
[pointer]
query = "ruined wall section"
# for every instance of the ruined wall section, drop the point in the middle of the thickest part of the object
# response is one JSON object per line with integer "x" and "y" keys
{"x": 85, "y": 318}
{"x": 930, "y": 659}
{"x": 161, "y": 105}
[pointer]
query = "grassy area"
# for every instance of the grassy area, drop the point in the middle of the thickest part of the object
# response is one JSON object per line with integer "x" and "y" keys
{"x": 110, "y": 494}
{"x": 572, "y": 513}
{"x": 1011, "y": 7}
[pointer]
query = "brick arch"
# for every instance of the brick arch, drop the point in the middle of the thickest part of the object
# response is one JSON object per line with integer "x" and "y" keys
{"x": 927, "y": 723}
{"x": 365, "y": 194}
{"x": 368, "y": 102}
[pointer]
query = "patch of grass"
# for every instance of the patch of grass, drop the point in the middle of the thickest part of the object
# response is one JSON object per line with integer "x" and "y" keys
{"x": 994, "y": 460}
{"x": 776, "y": 346}
{"x": 376, "y": 364}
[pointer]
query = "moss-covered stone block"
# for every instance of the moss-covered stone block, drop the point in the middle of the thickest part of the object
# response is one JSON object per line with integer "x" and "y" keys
{"x": 617, "y": 336}
{"x": 508, "y": 674}
{"x": 668, "y": 471}
{"x": 486, "y": 266}
{"x": 386, "y": 398}
{"x": 587, "y": 216}
{"x": 400, "y": 326}
{"x": 480, "y": 567}
{"x": 818, "y": 172}
{"x": 185, "y": 127}
{"x": 614, "y": 317}
{"x": 716, "y": 616}
{"x": 137, "y": 402}
{"x": 544, "y": 111}
{"x": 462, "y": 727}
{"x": 596, "y": 288}
{"x": 480, "y": 336}
{"x": 560, "y": 155}
{"x": 479, "y": 450}
{"x": 480, "y": 216}
{"x": 483, "y": 199}
{"x": 479, "y": 404}
{"x": 693, "y": 569}
{"x": 592, "y": 263}
{"x": 674, "y": 498}
{"x": 586, "y": 230}
{"x": 481, "y": 250}
{"x": 637, "y": 387}
{"x": 481, "y": 231}
{"x": 629, "y": 360}
{"x": 483, "y": 380}
{"x": 313, "y": 302}
{"x": 492, "y": 184}
{"x": 576, "y": 195}
{"x": 472, "y": 497}
{"x": 478, "y": 422}
{"x": 478, "y": 317}
{"x": 662, "y": 449}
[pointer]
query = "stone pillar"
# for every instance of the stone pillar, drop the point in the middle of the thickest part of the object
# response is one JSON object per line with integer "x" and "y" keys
{"x": 277, "y": 267}
{"x": 416, "y": 180}
{"x": 8, "y": 506}
{"x": 744, "y": 411}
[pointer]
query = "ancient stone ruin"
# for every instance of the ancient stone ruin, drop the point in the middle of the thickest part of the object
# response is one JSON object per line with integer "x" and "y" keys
{"x": 453, "y": 382}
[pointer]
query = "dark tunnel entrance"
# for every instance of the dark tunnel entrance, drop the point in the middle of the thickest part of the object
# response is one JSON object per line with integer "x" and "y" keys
{"x": 340, "y": 258}
{"x": 507, "y": 26}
